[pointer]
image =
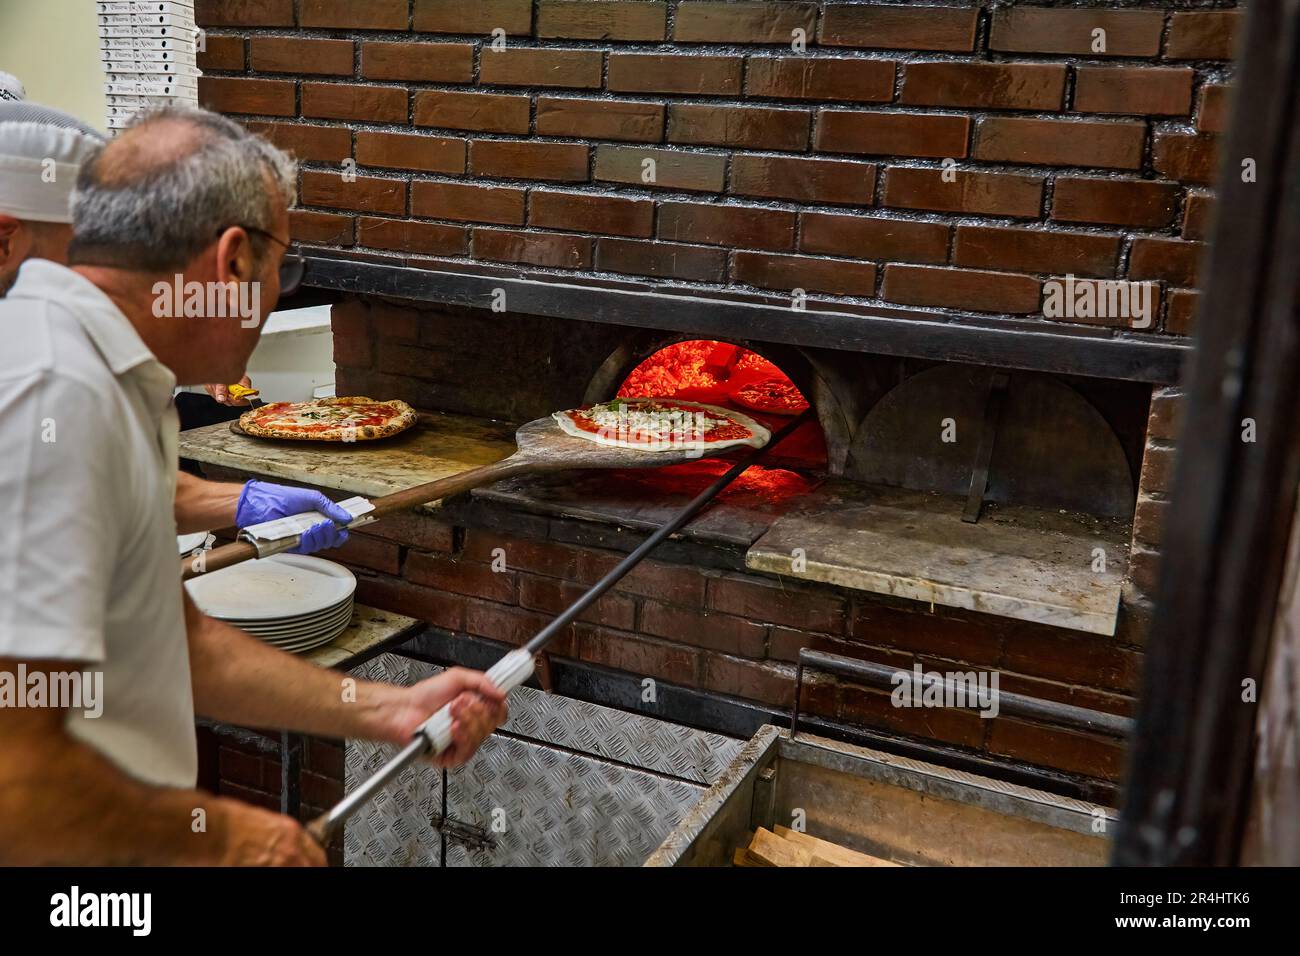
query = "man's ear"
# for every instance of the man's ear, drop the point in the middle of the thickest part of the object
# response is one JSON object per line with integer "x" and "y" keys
{"x": 235, "y": 259}
{"x": 9, "y": 227}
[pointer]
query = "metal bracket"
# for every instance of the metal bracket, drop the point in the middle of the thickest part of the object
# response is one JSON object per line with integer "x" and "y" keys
{"x": 542, "y": 667}
{"x": 979, "y": 479}
{"x": 762, "y": 812}
{"x": 466, "y": 834}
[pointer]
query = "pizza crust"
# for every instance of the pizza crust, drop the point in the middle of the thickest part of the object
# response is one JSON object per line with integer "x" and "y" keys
{"x": 402, "y": 417}
{"x": 758, "y": 437}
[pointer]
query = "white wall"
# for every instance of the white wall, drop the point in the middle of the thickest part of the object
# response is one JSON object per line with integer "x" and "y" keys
{"x": 52, "y": 46}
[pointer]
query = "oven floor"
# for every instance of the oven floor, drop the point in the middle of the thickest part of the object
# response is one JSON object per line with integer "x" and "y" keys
{"x": 1027, "y": 563}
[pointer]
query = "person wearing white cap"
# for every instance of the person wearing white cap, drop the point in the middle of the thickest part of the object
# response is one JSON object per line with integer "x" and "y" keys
{"x": 35, "y": 223}
{"x": 11, "y": 88}
{"x": 41, "y": 151}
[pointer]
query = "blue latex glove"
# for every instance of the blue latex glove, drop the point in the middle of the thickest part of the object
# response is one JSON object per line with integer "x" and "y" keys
{"x": 262, "y": 501}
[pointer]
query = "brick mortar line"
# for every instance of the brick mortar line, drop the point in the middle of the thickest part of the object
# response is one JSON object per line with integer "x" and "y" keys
{"x": 435, "y": 220}
{"x": 736, "y": 49}
{"x": 969, "y": 222}
{"x": 969, "y": 164}
{"x": 1168, "y": 122}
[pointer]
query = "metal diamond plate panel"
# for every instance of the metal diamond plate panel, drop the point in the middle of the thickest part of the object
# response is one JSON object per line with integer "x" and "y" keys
{"x": 654, "y": 745}
{"x": 393, "y": 829}
{"x": 566, "y": 783}
{"x": 543, "y": 806}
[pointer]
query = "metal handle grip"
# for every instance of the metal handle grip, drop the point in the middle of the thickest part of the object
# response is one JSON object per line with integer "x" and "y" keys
{"x": 430, "y": 739}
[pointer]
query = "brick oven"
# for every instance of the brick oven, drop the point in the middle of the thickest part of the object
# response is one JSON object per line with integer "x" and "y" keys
{"x": 515, "y": 205}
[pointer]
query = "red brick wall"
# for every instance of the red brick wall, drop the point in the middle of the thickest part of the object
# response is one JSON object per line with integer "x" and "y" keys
{"x": 1153, "y": 488}
{"x": 740, "y": 634}
{"x": 822, "y": 168}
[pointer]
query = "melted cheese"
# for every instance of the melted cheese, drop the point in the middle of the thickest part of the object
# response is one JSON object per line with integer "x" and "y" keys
{"x": 671, "y": 425}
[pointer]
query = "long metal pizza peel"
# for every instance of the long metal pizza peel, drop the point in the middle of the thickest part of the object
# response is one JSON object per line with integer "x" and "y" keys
{"x": 434, "y": 735}
{"x": 541, "y": 446}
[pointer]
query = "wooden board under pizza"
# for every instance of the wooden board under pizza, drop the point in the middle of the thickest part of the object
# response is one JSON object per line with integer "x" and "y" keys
{"x": 662, "y": 424}
{"x": 341, "y": 419}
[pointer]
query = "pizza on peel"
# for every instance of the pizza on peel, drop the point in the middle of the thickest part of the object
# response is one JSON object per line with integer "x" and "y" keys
{"x": 351, "y": 418}
{"x": 662, "y": 424}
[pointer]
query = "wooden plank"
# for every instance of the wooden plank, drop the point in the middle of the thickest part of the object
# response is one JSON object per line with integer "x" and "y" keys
{"x": 778, "y": 852}
{"x": 744, "y": 856}
{"x": 834, "y": 853}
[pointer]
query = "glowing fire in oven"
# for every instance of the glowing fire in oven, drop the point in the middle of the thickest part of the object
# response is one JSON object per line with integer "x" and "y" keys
{"x": 716, "y": 373}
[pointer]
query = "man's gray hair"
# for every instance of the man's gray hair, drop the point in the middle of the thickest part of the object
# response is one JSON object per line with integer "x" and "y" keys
{"x": 151, "y": 204}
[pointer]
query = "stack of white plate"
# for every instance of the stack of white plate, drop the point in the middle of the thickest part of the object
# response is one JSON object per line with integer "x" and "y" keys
{"x": 291, "y": 601}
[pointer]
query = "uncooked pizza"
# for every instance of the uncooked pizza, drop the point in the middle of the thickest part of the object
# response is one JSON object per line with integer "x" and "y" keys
{"x": 662, "y": 424}
{"x": 352, "y": 418}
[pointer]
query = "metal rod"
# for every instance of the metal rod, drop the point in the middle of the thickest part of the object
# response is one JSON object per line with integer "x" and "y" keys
{"x": 1016, "y": 705}
{"x": 619, "y": 571}
{"x": 324, "y": 826}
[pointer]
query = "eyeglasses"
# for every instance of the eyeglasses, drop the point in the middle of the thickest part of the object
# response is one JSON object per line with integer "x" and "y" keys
{"x": 292, "y": 267}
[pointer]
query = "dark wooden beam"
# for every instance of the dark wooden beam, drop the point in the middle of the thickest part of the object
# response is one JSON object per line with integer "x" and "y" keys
{"x": 1032, "y": 344}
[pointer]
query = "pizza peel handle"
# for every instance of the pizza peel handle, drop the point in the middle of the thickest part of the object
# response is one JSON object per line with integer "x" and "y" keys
{"x": 542, "y": 446}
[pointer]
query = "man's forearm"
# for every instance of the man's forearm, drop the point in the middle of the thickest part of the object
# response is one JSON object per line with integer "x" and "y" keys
{"x": 239, "y": 679}
{"x": 204, "y": 505}
{"x": 63, "y": 803}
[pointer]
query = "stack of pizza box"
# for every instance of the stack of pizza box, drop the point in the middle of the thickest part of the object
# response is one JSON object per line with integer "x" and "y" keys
{"x": 148, "y": 50}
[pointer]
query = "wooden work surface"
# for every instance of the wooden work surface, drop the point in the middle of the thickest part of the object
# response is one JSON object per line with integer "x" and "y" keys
{"x": 371, "y": 630}
{"x": 1025, "y": 563}
{"x": 437, "y": 446}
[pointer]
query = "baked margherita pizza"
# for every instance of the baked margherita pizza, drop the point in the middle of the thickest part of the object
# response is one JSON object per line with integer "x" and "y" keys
{"x": 662, "y": 424}
{"x": 329, "y": 419}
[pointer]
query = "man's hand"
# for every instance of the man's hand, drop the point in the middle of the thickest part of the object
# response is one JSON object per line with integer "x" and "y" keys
{"x": 478, "y": 707}
{"x": 221, "y": 393}
{"x": 238, "y": 679}
{"x": 257, "y": 837}
{"x": 261, "y": 501}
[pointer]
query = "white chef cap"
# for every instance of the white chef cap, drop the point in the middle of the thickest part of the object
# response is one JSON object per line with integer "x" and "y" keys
{"x": 10, "y": 87}
{"x": 41, "y": 151}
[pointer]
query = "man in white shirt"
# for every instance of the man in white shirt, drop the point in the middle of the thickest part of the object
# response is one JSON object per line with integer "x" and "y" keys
{"x": 41, "y": 152}
{"x": 88, "y": 568}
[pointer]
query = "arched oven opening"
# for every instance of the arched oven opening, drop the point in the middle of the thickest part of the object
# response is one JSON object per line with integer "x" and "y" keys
{"x": 733, "y": 377}
{"x": 985, "y": 490}
{"x": 772, "y": 387}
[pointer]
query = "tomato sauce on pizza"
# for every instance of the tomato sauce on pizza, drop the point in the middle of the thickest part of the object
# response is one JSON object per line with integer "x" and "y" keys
{"x": 659, "y": 424}
{"x": 329, "y": 419}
